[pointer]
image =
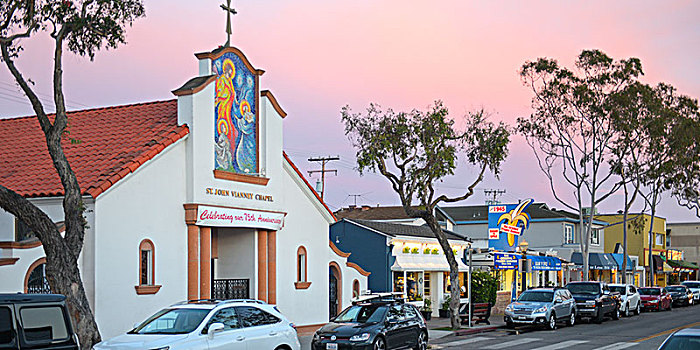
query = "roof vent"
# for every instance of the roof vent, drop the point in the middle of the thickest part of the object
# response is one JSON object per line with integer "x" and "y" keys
{"x": 365, "y": 207}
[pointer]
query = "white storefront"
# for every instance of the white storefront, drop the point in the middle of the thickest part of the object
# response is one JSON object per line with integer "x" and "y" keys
{"x": 199, "y": 218}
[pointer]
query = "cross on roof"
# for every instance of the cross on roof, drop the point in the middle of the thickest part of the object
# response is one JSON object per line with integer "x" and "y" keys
{"x": 229, "y": 11}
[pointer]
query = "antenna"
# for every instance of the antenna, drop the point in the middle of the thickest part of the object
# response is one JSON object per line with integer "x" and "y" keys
{"x": 492, "y": 196}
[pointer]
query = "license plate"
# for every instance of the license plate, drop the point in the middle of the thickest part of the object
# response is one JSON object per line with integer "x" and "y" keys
{"x": 521, "y": 317}
{"x": 331, "y": 346}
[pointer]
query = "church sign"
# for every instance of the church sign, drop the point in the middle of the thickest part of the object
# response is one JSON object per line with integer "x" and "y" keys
{"x": 235, "y": 114}
{"x": 231, "y": 217}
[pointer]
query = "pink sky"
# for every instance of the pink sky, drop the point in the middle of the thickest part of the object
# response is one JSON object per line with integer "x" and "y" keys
{"x": 322, "y": 55}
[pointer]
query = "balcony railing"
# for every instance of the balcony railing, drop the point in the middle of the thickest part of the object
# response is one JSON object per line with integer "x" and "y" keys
{"x": 231, "y": 289}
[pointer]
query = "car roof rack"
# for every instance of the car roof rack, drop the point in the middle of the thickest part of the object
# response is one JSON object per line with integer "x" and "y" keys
{"x": 219, "y": 301}
{"x": 393, "y": 297}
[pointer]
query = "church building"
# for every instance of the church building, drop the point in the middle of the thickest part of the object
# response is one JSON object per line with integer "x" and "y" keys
{"x": 189, "y": 198}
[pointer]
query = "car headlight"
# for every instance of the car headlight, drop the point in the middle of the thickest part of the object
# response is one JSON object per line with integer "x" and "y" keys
{"x": 654, "y": 301}
{"x": 542, "y": 309}
{"x": 360, "y": 337}
{"x": 509, "y": 308}
{"x": 590, "y": 302}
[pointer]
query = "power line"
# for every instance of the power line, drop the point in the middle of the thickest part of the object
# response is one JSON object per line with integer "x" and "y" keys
{"x": 492, "y": 196}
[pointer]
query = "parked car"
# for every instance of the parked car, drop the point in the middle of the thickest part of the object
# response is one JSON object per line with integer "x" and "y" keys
{"x": 655, "y": 298}
{"x": 35, "y": 321}
{"x": 630, "y": 301}
{"x": 680, "y": 295}
{"x": 695, "y": 288}
{"x": 210, "y": 324}
{"x": 542, "y": 306}
{"x": 379, "y": 322}
{"x": 594, "y": 300}
{"x": 688, "y": 338}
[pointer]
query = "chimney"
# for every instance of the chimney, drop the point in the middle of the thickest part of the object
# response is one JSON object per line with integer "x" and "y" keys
{"x": 352, "y": 207}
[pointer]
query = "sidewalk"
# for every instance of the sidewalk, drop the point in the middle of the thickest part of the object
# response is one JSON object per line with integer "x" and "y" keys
{"x": 439, "y": 327}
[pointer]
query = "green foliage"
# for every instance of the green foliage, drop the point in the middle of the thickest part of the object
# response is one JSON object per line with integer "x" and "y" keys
{"x": 446, "y": 303}
{"x": 86, "y": 26}
{"x": 484, "y": 287}
{"x": 427, "y": 304}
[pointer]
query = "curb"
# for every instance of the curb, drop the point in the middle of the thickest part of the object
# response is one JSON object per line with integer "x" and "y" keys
{"x": 476, "y": 330}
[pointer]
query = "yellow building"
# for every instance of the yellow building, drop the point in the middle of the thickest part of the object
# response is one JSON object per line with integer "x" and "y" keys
{"x": 638, "y": 242}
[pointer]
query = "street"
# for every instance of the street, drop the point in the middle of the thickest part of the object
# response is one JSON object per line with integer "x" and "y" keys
{"x": 646, "y": 331}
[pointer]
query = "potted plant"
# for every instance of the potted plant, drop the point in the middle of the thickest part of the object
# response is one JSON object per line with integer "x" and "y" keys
{"x": 426, "y": 311}
{"x": 414, "y": 251}
{"x": 444, "y": 311}
{"x": 406, "y": 250}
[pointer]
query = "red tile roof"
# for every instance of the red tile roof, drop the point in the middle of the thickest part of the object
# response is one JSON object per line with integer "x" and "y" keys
{"x": 113, "y": 142}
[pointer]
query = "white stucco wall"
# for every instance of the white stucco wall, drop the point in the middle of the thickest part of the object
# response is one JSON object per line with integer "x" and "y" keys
{"x": 144, "y": 205}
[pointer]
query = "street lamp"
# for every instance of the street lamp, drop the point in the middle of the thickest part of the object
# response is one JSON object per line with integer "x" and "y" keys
{"x": 523, "y": 251}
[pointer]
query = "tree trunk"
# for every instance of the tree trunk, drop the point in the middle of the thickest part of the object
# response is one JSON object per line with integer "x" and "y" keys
{"x": 454, "y": 269}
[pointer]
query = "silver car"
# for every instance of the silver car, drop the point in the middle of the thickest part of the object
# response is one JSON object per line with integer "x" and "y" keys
{"x": 688, "y": 338}
{"x": 542, "y": 306}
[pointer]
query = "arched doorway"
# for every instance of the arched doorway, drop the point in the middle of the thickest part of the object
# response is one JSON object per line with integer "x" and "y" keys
{"x": 35, "y": 281}
{"x": 335, "y": 287}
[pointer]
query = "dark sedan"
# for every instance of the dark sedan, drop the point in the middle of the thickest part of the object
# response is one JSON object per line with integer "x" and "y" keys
{"x": 375, "y": 325}
{"x": 681, "y": 295}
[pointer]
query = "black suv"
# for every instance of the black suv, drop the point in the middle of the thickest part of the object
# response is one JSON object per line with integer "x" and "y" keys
{"x": 594, "y": 300}
{"x": 35, "y": 321}
{"x": 379, "y": 322}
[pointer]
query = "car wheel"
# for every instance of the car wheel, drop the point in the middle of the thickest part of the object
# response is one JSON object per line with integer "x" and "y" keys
{"x": 552, "y": 324}
{"x": 638, "y": 310}
{"x": 599, "y": 317}
{"x": 379, "y": 344}
{"x": 572, "y": 319}
{"x": 628, "y": 313}
{"x": 422, "y": 343}
{"x": 616, "y": 314}
{"x": 510, "y": 325}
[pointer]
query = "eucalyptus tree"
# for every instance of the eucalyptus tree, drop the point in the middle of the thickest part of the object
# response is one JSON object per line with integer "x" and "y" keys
{"x": 416, "y": 150}
{"x": 571, "y": 129}
{"x": 670, "y": 150}
{"x": 83, "y": 28}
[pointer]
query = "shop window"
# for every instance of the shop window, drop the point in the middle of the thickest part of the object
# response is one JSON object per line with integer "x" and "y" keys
{"x": 147, "y": 267}
{"x": 426, "y": 285}
{"x": 568, "y": 234}
{"x": 398, "y": 281}
{"x": 355, "y": 289}
{"x": 448, "y": 284}
{"x": 595, "y": 237}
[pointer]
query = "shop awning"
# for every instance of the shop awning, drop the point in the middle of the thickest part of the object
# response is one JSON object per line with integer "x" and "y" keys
{"x": 545, "y": 263}
{"x": 619, "y": 259}
{"x": 424, "y": 262}
{"x": 682, "y": 265}
{"x": 596, "y": 261}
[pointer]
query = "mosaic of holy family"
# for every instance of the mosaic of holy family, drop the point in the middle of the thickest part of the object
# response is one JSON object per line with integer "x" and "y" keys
{"x": 235, "y": 116}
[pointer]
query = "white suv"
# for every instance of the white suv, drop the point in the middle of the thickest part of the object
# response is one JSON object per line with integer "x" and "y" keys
{"x": 694, "y": 287}
{"x": 213, "y": 325}
{"x": 630, "y": 301}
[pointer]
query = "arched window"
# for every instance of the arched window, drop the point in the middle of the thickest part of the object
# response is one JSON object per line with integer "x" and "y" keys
{"x": 355, "y": 289}
{"x": 301, "y": 264}
{"x": 147, "y": 262}
{"x": 147, "y": 268}
{"x": 302, "y": 278}
{"x": 35, "y": 280}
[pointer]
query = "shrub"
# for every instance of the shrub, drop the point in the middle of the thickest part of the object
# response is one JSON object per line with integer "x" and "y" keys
{"x": 484, "y": 287}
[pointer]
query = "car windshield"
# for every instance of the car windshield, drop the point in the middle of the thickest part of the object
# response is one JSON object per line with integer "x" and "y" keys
{"x": 172, "y": 321}
{"x": 619, "y": 289}
{"x": 649, "y": 291}
{"x": 676, "y": 289}
{"x": 362, "y": 314}
{"x": 682, "y": 342}
{"x": 536, "y": 296}
{"x": 692, "y": 284}
{"x": 583, "y": 288}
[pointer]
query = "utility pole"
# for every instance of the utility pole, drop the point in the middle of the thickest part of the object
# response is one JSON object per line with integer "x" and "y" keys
{"x": 323, "y": 170}
{"x": 492, "y": 196}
